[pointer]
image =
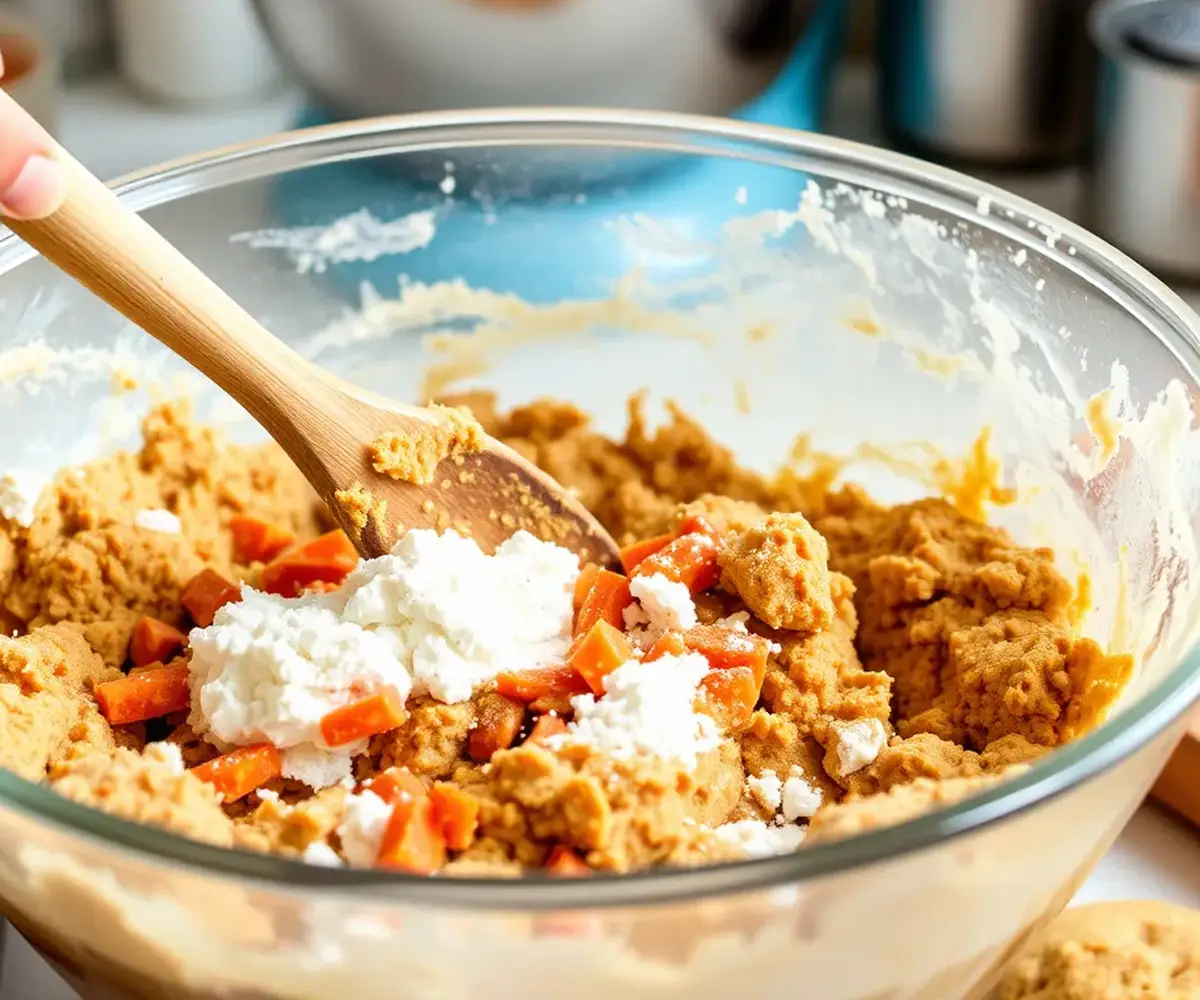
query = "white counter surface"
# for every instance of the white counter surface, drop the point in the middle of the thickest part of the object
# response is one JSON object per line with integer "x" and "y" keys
{"x": 114, "y": 132}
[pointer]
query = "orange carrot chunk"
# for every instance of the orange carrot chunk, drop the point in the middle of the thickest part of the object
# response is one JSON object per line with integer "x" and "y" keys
{"x": 544, "y": 683}
{"x": 726, "y": 647}
{"x": 146, "y": 694}
{"x": 689, "y": 559}
{"x": 389, "y": 785}
{"x": 667, "y": 644}
{"x": 598, "y": 653}
{"x": 583, "y": 583}
{"x": 457, "y": 813}
{"x": 153, "y": 641}
{"x": 633, "y": 554}
{"x": 256, "y": 540}
{"x": 413, "y": 841}
{"x": 236, "y": 774}
{"x": 728, "y": 696}
{"x": 377, "y": 713}
{"x": 565, "y": 863}
{"x": 697, "y": 524}
{"x": 205, "y": 594}
{"x": 498, "y": 720}
{"x": 545, "y": 727}
{"x": 606, "y": 600}
{"x": 328, "y": 559}
{"x": 333, "y": 546}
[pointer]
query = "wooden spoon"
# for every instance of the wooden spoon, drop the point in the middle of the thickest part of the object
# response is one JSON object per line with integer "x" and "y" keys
{"x": 324, "y": 424}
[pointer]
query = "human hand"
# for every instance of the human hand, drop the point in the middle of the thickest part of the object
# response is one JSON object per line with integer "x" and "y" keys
{"x": 31, "y": 183}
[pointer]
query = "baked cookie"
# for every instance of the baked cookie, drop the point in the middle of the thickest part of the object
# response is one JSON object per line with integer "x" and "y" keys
{"x": 1111, "y": 951}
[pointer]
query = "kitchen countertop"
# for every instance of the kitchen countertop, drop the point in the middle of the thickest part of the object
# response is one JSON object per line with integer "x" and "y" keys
{"x": 114, "y": 132}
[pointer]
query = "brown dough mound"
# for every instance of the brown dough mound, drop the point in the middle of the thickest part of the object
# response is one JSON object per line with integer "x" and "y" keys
{"x": 780, "y": 568}
{"x": 146, "y": 790}
{"x": 1111, "y": 951}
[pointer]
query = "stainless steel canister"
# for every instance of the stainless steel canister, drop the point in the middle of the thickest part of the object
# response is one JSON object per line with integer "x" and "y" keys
{"x": 1144, "y": 194}
{"x": 1002, "y": 83}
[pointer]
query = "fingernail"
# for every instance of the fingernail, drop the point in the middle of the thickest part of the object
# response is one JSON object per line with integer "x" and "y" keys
{"x": 37, "y": 191}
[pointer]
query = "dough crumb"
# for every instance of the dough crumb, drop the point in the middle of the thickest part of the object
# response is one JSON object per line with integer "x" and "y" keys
{"x": 413, "y": 456}
{"x": 147, "y": 789}
{"x": 1111, "y": 951}
{"x": 780, "y": 568}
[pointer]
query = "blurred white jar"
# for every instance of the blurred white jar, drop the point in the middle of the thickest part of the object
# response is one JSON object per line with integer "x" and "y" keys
{"x": 194, "y": 51}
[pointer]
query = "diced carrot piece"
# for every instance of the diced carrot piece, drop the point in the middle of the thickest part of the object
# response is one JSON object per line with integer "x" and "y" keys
{"x": 333, "y": 546}
{"x": 146, "y": 694}
{"x": 458, "y": 814}
{"x": 667, "y": 644}
{"x": 377, "y": 713}
{"x": 726, "y": 647}
{"x": 413, "y": 841}
{"x": 689, "y": 559}
{"x": 728, "y": 696}
{"x": 544, "y": 683}
{"x": 545, "y": 727}
{"x": 236, "y": 774}
{"x": 256, "y": 540}
{"x": 606, "y": 600}
{"x": 583, "y": 583}
{"x": 328, "y": 559}
{"x": 206, "y": 593}
{"x": 389, "y": 785}
{"x": 565, "y": 863}
{"x": 497, "y": 722}
{"x": 153, "y": 641}
{"x": 633, "y": 554}
{"x": 559, "y": 705}
{"x": 697, "y": 524}
{"x": 598, "y": 653}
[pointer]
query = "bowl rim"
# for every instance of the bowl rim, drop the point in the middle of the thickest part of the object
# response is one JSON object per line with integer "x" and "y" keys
{"x": 1073, "y": 248}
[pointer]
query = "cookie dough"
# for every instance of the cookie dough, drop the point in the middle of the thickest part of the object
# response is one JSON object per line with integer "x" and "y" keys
{"x": 914, "y": 655}
{"x": 1111, "y": 951}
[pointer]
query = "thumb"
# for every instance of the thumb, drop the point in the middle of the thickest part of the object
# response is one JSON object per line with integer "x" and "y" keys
{"x": 36, "y": 191}
{"x": 32, "y": 185}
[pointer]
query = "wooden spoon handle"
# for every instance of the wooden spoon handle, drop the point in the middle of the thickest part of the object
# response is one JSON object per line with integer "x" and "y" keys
{"x": 121, "y": 258}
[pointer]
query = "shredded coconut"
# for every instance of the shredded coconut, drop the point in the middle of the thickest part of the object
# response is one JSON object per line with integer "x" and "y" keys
{"x": 858, "y": 744}
{"x": 270, "y": 668}
{"x": 767, "y": 789}
{"x": 660, "y": 605}
{"x": 321, "y": 854}
{"x": 157, "y": 519}
{"x": 647, "y": 708}
{"x": 362, "y": 828}
{"x": 165, "y": 753}
{"x": 801, "y": 798}
{"x": 319, "y": 767}
{"x": 437, "y": 615}
{"x": 19, "y": 491}
{"x": 457, "y": 617}
{"x": 758, "y": 840}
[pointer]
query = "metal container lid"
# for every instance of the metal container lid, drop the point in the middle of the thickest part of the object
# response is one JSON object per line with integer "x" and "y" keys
{"x": 1163, "y": 31}
{"x": 1168, "y": 31}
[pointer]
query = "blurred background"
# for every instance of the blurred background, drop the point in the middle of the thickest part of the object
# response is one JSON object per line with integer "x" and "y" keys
{"x": 1088, "y": 107}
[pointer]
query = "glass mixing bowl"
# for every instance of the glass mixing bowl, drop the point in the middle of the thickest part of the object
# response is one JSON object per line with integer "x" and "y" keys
{"x": 768, "y": 281}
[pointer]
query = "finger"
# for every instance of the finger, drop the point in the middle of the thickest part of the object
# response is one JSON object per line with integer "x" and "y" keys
{"x": 31, "y": 184}
{"x": 1, "y": 64}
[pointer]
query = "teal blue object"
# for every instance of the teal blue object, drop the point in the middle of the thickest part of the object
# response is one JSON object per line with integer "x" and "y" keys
{"x": 551, "y": 238}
